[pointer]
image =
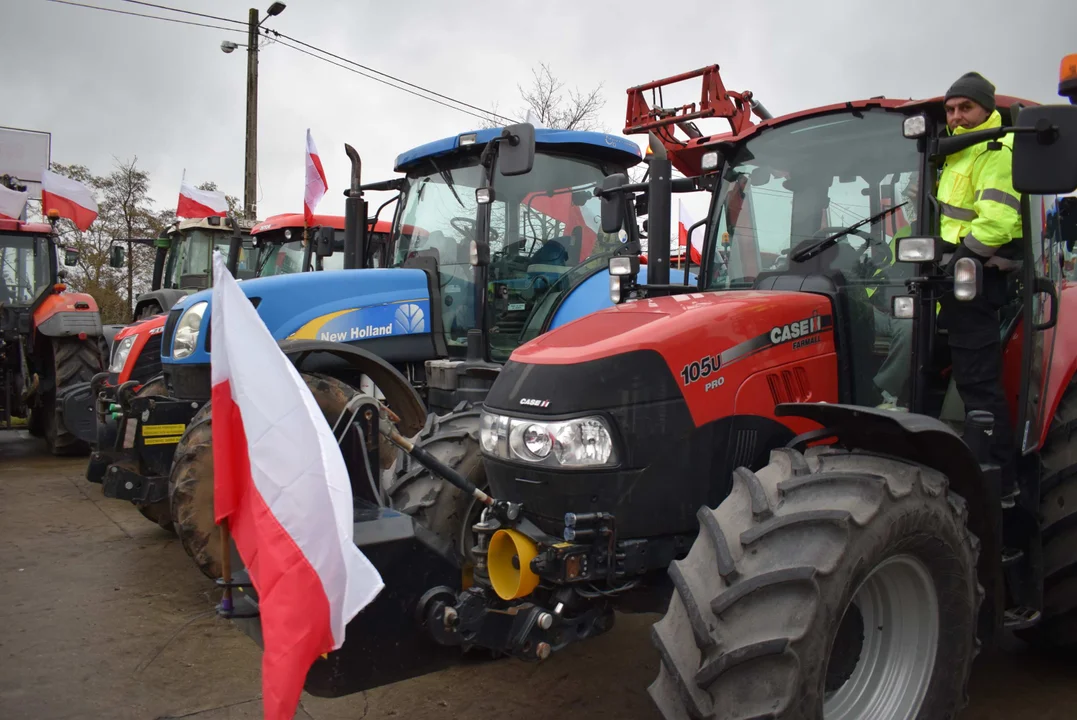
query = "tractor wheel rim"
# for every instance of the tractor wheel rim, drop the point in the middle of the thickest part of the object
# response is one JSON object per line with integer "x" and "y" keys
{"x": 900, "y": 611}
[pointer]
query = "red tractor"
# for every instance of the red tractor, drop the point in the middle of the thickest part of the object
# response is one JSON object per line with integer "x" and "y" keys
{"x": 50, "y": 339}
{"x": 714, "y": 451}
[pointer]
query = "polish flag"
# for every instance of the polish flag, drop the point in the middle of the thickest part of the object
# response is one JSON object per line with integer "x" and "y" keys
{"x": 683, "y": 223}
{"x": 281, "y": 485}
{"x": 70, "y": 198}
{"x": 195, "y": 203}
{"x": 12, "y": 203}
{"x": 316, "y": 182}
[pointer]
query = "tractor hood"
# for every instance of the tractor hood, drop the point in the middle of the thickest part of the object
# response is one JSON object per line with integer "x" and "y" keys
{"x": 341, "y": 306}
{"x": 696, "y": 346}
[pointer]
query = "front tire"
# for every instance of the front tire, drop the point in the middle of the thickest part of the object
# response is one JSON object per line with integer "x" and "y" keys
{"x": 453, "y": 439}
{"x": 190, "y": 484}
{"x": 812, "y": 573}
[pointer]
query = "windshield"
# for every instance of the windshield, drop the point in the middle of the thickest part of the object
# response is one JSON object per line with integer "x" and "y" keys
{"x": 192, "y": 256}
{"x": 281, "y": 258}
{"x": 795, "y": 185}
{"x": 545, "y": 238}
{"x": 24, "y": 268}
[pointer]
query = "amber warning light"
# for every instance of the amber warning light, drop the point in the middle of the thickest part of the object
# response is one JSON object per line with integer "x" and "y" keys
{"x": 1067, "y": 77}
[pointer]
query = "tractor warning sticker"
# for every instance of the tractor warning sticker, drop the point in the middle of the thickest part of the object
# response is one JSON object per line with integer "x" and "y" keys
{"x": 162, "y": 430}
{"x": 170, "y": 440}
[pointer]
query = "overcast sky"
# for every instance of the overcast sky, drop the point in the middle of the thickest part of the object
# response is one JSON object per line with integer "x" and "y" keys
{"x": 110, "y": 86}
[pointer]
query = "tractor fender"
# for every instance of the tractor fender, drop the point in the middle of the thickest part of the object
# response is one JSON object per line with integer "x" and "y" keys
{"x": 928, "y": 441}
{"x": 67, "y": 315}
{"x": 399, "y": 393}
{"x": 164, "y": 298}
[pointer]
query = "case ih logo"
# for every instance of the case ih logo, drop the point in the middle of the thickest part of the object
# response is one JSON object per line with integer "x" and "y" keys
{"x": 532, "y": 402}
{"x": 801, "y": 329}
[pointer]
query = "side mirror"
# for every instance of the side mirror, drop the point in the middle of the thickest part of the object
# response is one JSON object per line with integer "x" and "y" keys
{"x": 71, "y": 257}
{"x": 613, "y": 204}
{"x": 516, "y": 155}
{"x": 1045, "y": 162}
{"x": 116, "y": 256}
{"x": 323, "y": 240}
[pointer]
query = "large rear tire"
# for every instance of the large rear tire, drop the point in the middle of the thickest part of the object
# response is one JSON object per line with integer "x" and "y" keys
{"x": 832, "y": 585}
{"x": 1058, "y": 626}
{"x": 453, "y": 439}
{"x": 74, "y": 361}
{"x": 190, "y": 484}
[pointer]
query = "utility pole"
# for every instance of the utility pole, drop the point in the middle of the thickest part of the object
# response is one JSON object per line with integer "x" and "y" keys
{"x": 250, "y": 176}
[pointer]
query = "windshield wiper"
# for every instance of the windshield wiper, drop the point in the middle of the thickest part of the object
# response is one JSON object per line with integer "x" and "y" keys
{"x": 446, "y": 175}
{"x": 813, "y": 250}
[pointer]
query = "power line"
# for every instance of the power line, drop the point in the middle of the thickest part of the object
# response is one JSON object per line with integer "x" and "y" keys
{"x": 186, "y": 12}
{"x": 391, "y": 77}
{"x": 378, "y": 79}
{"x": 485, "y": 114}
{"x": 152, "y": 17}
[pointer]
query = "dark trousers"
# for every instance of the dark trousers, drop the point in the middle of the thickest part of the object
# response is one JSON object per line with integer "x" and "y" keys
{"x": 976, "y": 354}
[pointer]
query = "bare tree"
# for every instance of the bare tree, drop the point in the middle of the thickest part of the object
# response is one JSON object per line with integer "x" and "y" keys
{"x": 124, "y": 212}
{"x": 548, "y": 101}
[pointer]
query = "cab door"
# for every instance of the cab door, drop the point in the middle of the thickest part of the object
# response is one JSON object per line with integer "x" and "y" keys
{"x": 1040, "y": 287}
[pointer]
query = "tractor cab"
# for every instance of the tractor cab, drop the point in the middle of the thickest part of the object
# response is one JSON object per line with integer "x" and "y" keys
{"x": 537, "y": 231}
{"x": 188, "y": 263}
{"x": 28, "y": 262}
{"x": 282, "y": 249}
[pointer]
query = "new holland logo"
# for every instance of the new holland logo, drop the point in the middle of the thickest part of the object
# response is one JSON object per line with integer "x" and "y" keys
{"x": 532, "y": 402}
{"x": 410, "y": 318}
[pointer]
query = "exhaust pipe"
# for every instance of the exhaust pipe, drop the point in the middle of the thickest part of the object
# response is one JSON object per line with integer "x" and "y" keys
{"x": 659, "y": 199}
{"x": 355, "y": 209}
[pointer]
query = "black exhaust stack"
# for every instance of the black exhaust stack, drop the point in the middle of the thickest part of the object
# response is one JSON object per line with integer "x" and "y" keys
{"x": 659, "y": 192}
{"x": 355, "y": 220}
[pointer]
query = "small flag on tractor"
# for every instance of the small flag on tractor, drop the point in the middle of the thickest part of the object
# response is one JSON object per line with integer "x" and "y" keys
{"x": 12, "y": 203}
{"x": 68, "y": 198}
{"x": 195, "y": 203}
{"x": 316, "y": 184}
{"x": 281, "y": 489}
{"x": 684, "y": 222}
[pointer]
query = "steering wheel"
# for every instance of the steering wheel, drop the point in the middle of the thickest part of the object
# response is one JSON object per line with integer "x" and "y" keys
{"x": 468, "y": 231}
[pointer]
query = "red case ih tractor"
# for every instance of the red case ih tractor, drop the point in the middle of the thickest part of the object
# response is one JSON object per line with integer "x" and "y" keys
{"x": 49, "y": 338}
{"x": 713, "y": 451}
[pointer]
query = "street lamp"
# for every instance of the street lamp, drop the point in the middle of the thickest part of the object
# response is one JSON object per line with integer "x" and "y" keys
{"x": 251, "y": 169}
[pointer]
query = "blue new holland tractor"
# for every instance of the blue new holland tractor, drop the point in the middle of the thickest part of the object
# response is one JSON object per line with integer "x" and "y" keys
{"x": 496, "y": 238}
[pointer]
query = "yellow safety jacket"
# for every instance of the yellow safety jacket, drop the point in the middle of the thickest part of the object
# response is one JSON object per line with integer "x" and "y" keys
{"x": 979, "y": 206}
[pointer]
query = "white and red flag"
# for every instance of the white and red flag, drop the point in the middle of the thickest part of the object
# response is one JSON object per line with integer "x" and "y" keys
{"x": 70, "y": 198}
{"x": 12, "y": 203}
{"x": 684, "y": 222}
{"x": 195, "y": 203}
{"x": 281, "y": 485}
{"x": 316, "y": 184}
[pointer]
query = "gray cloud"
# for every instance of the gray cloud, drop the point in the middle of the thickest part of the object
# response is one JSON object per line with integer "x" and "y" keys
{"x": 107, "y": 85}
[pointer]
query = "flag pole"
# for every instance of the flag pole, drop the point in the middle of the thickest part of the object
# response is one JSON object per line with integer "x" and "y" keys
{"x": 226, "y": 568}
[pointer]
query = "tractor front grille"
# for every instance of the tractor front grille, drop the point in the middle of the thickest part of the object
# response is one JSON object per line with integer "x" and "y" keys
{"x": 148, "y": 363}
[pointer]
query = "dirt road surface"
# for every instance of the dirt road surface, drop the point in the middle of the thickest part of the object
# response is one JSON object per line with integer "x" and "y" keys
{"x": 102, "y": 615}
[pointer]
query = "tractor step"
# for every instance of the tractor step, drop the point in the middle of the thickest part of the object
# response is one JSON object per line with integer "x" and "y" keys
{"x": 1011, "y": 556}
{"x": 1009, "y": 499}
{"x": 1020, "y": 618}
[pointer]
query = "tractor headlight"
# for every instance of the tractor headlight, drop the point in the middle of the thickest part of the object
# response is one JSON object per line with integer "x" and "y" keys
{"x": 580, "y": 442}
{"x": 187, "y": 331}
{"x": 120, "y": 353}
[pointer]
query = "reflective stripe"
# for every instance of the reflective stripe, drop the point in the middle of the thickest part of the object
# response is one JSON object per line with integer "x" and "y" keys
{"x": 1000, "y": 196}
{"x": 978, "y": 247}
{"x": 952, "y": 211}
